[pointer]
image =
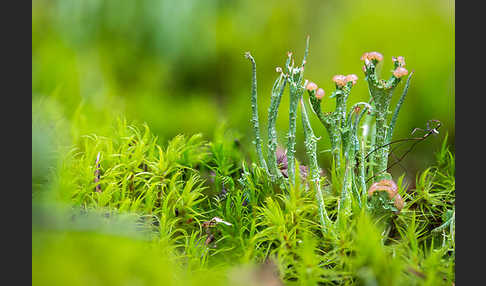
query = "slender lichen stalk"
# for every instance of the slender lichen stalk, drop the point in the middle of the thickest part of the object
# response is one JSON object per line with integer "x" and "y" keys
{"x": 342, "y": 94}
{"x": 381, "y": 155}
{"x": 326, "y": 120}
{"x": 381, "y": 92}
{"x": 315, "y": 104}
{"x": 311, "y": 150}
{"x": 277, "y": 91}
{"x": 296, "y": 90}
{"x": 335, "y": 121}
{"x": 364, "y": 147}
{"x": 361, "y": 175}
{"x": 397, "y": 109}
{"x": 338, "y": 122}
{"x": 351, "y": 148}
{"x": 343, "y": 89}
{"x": 254, "y": 110}
{"x": 294, "y": 99}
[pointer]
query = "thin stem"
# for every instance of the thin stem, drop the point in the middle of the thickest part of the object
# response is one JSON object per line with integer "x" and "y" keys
{"x": 254, "y": 110}
{"x": 350, "y": 154}
{"x": 294, "y": 100}
{"x": 296, "y": 76}
{"x": 381, "y": 95}
{"x": 311, "y": 150}
{"x": 381, "y": 158}
{"x": 362, "y": 171}
{"x": 397, "y": 109}
{"x": 277, "y": 92}
{"x": 327, "y": 120}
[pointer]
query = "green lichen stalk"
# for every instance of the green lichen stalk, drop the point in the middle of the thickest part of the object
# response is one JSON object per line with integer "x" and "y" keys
{"x": 343, "y": 89}
{"x": 397, "y": 109}
{"x": 352, "y": 148}
{"x": 296, "y": 90}
{"x": 381, "y": 92}
{"x": 326, "y": 119}
{"x": 254, "y": 110}
{"x": 311, "y": 150}
{"x": 294, "y": 99}
{"x": 277, "y": 91}
{"x": 334, "y": 122}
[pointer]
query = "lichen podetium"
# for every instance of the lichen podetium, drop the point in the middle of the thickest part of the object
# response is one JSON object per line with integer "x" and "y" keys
{"x": 277, "y": 92}
{"x": 315, "y": 172}
{"x": 254, "y": 110}
{"x": 296, "y": 88}
{"x": 381, "y": 93}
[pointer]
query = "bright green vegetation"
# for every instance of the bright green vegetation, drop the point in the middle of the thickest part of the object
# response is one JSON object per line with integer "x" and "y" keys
{"x": 118, "y": 202}
{"x": 146, "y": 224}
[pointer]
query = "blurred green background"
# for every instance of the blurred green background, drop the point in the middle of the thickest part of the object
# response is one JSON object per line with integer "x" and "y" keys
{"x": 179, "y": 65}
